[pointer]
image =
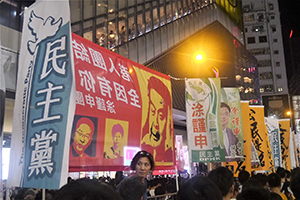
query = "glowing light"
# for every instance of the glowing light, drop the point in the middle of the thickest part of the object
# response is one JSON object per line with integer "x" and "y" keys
{"x": 199, "y": 57}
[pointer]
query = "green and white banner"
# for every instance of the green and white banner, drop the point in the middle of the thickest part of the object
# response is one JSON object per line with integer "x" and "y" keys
{"x": 203, "y": 113}
{"x": 231, "y": 122}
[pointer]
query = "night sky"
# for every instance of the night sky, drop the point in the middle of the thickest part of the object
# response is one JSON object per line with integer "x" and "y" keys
{"x": 290, "y": 20}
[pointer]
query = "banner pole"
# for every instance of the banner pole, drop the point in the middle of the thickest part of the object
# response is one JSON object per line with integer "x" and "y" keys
{"x": 43, "y": 194}
{"x": 177, "y": 185}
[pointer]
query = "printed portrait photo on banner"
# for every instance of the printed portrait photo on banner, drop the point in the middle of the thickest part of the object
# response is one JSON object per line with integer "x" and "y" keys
{"x": 83, "y": 139}
{"x": 116, "y": 135}
{"x": 157, "y": 137}
{"x": 230, "y": 139}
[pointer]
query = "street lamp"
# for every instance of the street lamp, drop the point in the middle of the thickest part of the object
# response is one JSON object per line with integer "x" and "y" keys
{"x": 199, "y": 57}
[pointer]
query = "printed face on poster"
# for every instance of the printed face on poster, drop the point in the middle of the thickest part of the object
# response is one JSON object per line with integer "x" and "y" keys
{"x": 126, "y": 106}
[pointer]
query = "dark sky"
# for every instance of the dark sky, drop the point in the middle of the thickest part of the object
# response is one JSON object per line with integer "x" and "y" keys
{"x": 290, "y": 20}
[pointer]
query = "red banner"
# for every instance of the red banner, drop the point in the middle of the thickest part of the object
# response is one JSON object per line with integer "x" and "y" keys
{"x": 121, "y": 107}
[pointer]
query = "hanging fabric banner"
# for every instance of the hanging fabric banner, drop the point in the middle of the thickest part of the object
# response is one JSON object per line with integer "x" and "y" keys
{"x": 292, "y": 150}
{"x": 258, "y": 129}
{"x": 231, "y": 121}
{"x": 269, "y": 152}
{"x": 274, "y": 138}
{"x": 205, "y": 137}
{"x": 45, "y": 101}
{"x": 284, "y": 127}
{"x": 121, "y": 108}
{"x": 245, "y": 163}
{"x": 297, "y": 148}
{"x": 2, "y": 90}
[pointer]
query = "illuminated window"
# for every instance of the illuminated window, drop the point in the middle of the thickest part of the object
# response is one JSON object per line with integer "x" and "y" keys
{"x": 261, "y": 90}
{"x": 280, "y": 89}
{"x": 249, "y": 17}
{"x": 258, "y": 28}
{"x": 247, "y": 80}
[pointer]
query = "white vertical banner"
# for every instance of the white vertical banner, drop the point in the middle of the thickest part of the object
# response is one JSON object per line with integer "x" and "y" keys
{"x": 292, "y": 149}
{"x": 2, "y": 109}
{"x": 45, "y": 98}
{"x": 274, "y": 137}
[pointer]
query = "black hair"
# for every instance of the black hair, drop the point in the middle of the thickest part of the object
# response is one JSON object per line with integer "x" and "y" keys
{"x": 223, "y": 178}
{"x": 295, "y": 183}
{"x": 281, "y": 172}
{"x": 86, "y": 189}
{"x": 243, "y": 176}
{"x": 274, "y": 180}
{"x": 262, "y": 178}
{"x": 199, "y": 187}
{"x": 253, "y": 190}
{"x": 139, "y": 155}
{"x": 223, "y": 104}
{"x": 132, "y": 188}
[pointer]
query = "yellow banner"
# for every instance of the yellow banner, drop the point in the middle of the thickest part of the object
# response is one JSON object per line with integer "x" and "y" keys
{"x": 237, "y": 166}
{"x": 258, "y": 134}
{"x": 284, "y": 126}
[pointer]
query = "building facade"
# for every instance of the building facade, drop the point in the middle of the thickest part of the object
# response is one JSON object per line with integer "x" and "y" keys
{"x": 263, "y": 38}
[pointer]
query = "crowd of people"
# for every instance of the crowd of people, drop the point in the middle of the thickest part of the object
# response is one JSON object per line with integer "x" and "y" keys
{"x": 217, "y": 184}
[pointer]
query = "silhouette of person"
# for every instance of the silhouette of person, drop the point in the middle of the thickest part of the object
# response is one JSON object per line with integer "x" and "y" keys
{"x": 157, "y": 137}
{"x": 230, "y": 139}
{"x": 82, "y": 137}
{"x": 116, "y": 150}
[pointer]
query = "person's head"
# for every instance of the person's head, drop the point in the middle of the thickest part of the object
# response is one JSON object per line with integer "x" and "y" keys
{"x": 243, "y": 176}
{"x": 288, "y": 175}
{"x": 281, "y": 172}
{"x": 274, "y": 180}
{"x": 83, "y": 134}
{"x": 225, "y": 114}
{"x": 117, "y": 133}
{"x": 86, "y": 189}
{"x": 295, "y": 182}
{"x": 199, "y": 187}
{"x": 142, "y": 163}
{"x": 132, "y": 188}
{"x": 253, "y": 190}
{"x": 158, "y": 111}
{"x": 223, "y": 178}
{"x": 262, "y": 178}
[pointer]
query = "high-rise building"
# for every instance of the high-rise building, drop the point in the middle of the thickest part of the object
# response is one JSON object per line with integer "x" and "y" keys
{"x": 263, "y": 38}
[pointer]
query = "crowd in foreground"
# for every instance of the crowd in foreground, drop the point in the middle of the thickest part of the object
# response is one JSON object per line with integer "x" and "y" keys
{"x": 218, "y": 184}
